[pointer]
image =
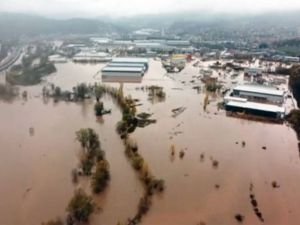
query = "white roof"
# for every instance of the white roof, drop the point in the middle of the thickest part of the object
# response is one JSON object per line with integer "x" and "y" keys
{"x": 259, "y": 89}
{"x": 237, "y": 99}
{"x": 257, "y": 106}
{"x": 91, "y": 54}
{"x": 130, "y": 60}
{"x": 113, "y": 64}
{"x": 148, "y": 44}
{"x": 253, "y": 69}
{"x": 101, "y": 40}
{"x": 123, "y": 69}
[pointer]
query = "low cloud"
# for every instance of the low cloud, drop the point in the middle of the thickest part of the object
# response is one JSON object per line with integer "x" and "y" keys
{"x": 115, "y": 8}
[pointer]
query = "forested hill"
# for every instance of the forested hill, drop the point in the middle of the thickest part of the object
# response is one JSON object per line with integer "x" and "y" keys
{"x": 16, "y": 25}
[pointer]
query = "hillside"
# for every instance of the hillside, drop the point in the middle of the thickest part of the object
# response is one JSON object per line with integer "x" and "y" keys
{"x": 16, "y": 25}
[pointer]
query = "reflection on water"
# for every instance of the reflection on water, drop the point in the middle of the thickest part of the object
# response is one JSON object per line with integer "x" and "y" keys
{"x": 35, "y": 170}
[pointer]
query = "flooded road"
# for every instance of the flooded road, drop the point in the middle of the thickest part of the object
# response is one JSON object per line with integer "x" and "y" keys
{"x": 35, "y": 168}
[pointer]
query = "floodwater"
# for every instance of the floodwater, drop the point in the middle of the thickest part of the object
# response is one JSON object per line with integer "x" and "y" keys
{"x": 35, "y": 166}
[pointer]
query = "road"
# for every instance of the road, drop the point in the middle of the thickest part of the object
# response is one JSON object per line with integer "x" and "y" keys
{"x": 10, "y": 59}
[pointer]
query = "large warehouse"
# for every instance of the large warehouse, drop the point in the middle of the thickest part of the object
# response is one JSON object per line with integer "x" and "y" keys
{"x": 138, "y": 65}
{"x": 259, "y": 109}
{"x": 256, "y": 100}
{"x": 132, "y": 60}
{"x": 259, "y": 93}
{"x": 122, "y": 74}
{"x": 125, "y": 70}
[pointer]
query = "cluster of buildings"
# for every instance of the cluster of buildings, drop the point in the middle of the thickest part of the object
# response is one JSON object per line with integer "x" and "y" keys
{"x": 147, "y": 47}
{"x": 125, "y": 69}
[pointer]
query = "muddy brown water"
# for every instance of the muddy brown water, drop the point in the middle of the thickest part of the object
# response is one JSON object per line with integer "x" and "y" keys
{"x": 35, "y": 169}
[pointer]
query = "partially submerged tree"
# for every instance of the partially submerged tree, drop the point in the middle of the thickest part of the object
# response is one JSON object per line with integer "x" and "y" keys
{"x": 92, "y": 150}
{"x": 57, "y": 221}
{"x": 99, "y": 108}
{"x": 99, "y": 92}
{"x": 101, "y": 177}
{"x": 88, "y": 139}
{"x": 81, "y": 91}
{"x": 80, "y": 207}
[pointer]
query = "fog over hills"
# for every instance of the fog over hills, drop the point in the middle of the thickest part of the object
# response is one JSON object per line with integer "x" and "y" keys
{"x": 13, "y": 25}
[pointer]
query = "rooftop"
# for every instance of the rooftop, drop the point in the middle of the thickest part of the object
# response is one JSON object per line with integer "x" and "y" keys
{"x": 91, "y": 54}
{"x": 113, "y": 64}
{"x": 259, "y": 89}
{"x": 123, "y": 69}
{"x": 257, "y": 106}
{"x": 130, "y": 60}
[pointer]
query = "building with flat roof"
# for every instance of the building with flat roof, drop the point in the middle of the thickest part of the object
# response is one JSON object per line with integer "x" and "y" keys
{"x": 122, "y": 74}
{"x": 178, "y": 43}
{"x": 132, "y": 60}
{"x": 91, "y": 56}
{"x": 127, "y": 65}
{"x": 254, "y": 108}
{"x": 259, "y": 93}
{"x": 291, "y": 59}
{"x": 256, "y": 100}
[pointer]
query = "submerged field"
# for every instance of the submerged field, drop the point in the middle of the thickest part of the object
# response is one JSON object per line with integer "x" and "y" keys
{"x": 226, "y": 159}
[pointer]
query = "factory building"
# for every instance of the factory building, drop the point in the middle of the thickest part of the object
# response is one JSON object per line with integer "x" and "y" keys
{"x": 91, "y": 57}
{"x": 132, "y": 60}
{"x": 256, "y": 100}
{"x": 122, "y": 74}
{"x": 259, "y": 93}
{"x": 258, "y": 109}
{"x": 128, "y": 65}
{"x": 125, "y": 70}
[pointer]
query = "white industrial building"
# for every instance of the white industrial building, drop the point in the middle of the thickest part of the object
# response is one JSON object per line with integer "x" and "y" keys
{"x": 122, "y": 74}
{"x": 259, "y": 93}
{"x": 259, "y": 109}
{"x": 131, "y": 60}
{"x": 257, "y": 100}
{"x": 127, "y": 65}
{"x": 125, "y": 70}
{"x": 92, "y": 57}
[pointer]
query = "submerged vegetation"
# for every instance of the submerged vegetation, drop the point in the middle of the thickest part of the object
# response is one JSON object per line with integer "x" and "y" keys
{"x": 80, "y": 208}
{"x": 130, "y": 121}
{"x": 212, "y": 87}
{"x": 294, "y": 119}
{"x": 156, "y": 93}
{"x": 34, "y": 66}
{"x": 151, "y": 184}
{"x": 294, "y": 116}
{"x": 294, "y": 81}
{"x": 101, "y": 176}
{"x": 93, "y": 155}
{"x": 29, "y": 76}
{"x": 126, "y": 126}
{"x": 8, "y": 92}
{"x": 58, "y": 221}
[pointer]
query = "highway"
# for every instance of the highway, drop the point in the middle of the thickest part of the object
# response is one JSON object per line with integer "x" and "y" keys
{"x": 10, "y": 59}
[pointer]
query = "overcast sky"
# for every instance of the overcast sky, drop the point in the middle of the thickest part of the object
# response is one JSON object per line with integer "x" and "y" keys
{"x": 94, "y": 8}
